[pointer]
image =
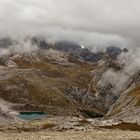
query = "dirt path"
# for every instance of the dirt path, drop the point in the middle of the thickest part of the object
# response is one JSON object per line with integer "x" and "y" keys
{"x": 91, "y": 134}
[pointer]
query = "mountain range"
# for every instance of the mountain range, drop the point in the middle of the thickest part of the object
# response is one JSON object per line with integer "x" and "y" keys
{"x": 63, "y": 78}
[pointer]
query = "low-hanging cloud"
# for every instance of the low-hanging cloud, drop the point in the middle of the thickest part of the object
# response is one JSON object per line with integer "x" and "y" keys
{"x": 117, "y": 81}
{"x": 20, "y": 47}
{"x": 95, "y": 23}
{"x": 93, "y": 40}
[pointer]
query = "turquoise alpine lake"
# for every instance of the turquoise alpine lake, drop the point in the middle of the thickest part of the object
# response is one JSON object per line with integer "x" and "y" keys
{"x": 32, "y": 115}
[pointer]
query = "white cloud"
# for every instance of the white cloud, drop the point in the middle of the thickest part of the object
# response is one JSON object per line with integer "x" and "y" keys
{"x": 19, "y": 17}
{"x": 20, "y": 47}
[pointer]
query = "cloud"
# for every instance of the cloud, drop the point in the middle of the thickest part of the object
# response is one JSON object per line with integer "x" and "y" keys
{"x": 115, "y": 82}
{"x": 131, "y": 61}
{"x": 93, "y": 40}
{"x": 71, "y": 17}
{"x": 22, "y": 46}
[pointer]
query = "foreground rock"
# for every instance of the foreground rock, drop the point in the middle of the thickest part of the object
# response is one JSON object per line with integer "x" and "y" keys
{"x": 88, "y": 134}
{"x": 63, "y": 128}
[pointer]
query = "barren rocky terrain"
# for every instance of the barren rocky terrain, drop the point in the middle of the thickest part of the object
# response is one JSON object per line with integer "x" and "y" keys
{"x": 89, "y": 134}
{"x": 65, "y": 128}
{"x": 85, "y": 95}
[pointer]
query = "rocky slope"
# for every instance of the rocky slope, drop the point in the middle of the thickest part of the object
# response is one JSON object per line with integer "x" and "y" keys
{"x": 43, "y": 79}
{"x": 126, "y": 108}
{"x": 52, "y": 79}
{"x": 125, "y": 112}
{"x": 64, "y": 79}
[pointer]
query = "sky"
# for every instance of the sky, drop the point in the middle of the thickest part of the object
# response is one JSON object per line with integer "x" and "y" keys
{"x": 89, "y": 22}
